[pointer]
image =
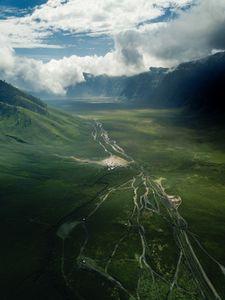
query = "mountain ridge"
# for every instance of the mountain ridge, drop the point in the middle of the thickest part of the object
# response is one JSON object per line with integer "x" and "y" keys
{"x": 194, "y": 85}
{"x": 26, "y": 119}
{"x": 12, "y": 96}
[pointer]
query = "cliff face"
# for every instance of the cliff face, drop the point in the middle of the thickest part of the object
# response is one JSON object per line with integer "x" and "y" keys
{"x": 198, "y": 85}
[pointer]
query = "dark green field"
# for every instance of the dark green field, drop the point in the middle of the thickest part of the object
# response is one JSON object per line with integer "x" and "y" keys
{"x": 82, "y": 230}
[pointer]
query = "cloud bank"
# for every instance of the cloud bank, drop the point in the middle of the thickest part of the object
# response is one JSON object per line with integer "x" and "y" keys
{"x": 194, "y": 33}
{"x": 78, "y": 17}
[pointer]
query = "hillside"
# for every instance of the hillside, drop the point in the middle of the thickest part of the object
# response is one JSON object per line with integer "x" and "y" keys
{"x": 26, "y": 119}
{"x": 10, "y": 95}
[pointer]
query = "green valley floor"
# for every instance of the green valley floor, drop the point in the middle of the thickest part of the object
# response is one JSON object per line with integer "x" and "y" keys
{"x": 113, "y": 204}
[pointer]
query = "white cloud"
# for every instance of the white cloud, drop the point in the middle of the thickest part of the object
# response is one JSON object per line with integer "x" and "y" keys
{"x": 97, "y": 16}
{"x": 24, "y": 35}
{"x": 195, "y": 33}
{"x": 86, "y": 16}
{"x": 6, "y": 55}
{"x": 56, "y": 75}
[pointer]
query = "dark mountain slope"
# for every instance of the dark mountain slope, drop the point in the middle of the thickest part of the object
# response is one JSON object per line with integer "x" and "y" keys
{"x": 197, "y": 85}
{"x": 144, "y": 87}
{"x": 102, "y": 86}
{"x": 12, "y": 96}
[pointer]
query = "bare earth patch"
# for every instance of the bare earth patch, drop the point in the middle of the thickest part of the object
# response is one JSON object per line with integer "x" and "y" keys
{"x": 110, "y": 162}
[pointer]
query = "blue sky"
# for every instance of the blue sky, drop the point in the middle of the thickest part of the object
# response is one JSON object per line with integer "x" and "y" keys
{"x": 62, "y": 42}
{"x": 81, "y": 44}
{"x": 48, "y": 45}
{"x": 21, "y": 3}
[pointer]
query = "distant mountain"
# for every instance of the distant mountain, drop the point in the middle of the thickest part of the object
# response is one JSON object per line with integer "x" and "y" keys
{"x": 198, "y": 85}
{"x": 102, "y": 86}
{"x": 143, "y": 88}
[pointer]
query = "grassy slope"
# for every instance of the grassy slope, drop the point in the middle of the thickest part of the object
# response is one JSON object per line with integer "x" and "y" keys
{"x": 37, "y": 188}
{"x": 10, "y": 95}
{"x": 37, "y": 185}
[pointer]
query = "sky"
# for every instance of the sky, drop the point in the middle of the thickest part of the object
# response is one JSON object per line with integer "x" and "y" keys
{"x": 48, "y": 45}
